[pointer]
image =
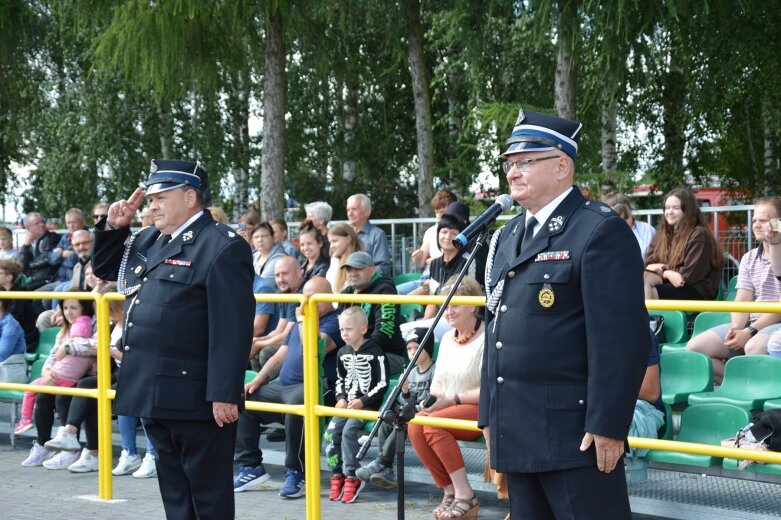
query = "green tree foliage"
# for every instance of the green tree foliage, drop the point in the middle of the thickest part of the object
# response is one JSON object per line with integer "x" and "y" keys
{"x": 91, "y": 91}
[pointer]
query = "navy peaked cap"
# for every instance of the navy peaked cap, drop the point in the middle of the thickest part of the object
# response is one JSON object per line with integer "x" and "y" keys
{"x": 538, "y": 132}
{"x": 169, "y": 174}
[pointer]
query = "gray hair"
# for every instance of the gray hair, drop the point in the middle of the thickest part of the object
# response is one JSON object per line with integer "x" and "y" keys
{"x": 321, "y": 210}
{"x": 366, "y": 202}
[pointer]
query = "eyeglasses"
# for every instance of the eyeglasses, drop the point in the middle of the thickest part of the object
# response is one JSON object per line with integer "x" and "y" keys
{"x": 524, "y": 164}
{"x": 98, "y": 217}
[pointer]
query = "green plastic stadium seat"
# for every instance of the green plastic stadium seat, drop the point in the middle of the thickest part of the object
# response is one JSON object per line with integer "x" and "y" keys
{"x": 674, "y": 326}
{"x": 45, "y": 344}
{"x": 684, "y": 373}
{"x": 754, "y": 467}
{"x": 406, "y": 310}
{"x": 703, "y": 322}
{"x": 392, "y": 382}
{"x": 749, "y": 381}
{"x": 405, "y": 277}
{"x": 15, "y": 397}
{"x": 704, "y": 424}
{"x": 772, "y": 404}
{"x": 732, "y": 289}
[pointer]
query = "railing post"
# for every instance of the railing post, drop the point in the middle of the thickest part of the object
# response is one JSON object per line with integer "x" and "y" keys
{"x": 104, "y": 403}
{"x": 311, "y": 420}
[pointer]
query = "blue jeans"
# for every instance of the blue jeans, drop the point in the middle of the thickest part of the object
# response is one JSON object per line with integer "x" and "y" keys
{"x": 127, "y": 431}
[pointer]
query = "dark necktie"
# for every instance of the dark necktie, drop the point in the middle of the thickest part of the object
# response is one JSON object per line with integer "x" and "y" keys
{"x": 528, "y": 234}
{"x": 164, "y": 239}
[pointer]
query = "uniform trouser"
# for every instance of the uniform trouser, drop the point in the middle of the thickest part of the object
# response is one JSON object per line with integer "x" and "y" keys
{"x": 194, "y": 467}
{"x": 580, "y": 493}
{"x": 248, "y": 452}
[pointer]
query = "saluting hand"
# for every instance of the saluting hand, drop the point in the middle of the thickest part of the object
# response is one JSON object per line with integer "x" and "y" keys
{"x": 609, "y": 450}
{"x": 225, "y": 413}
{"x": 122, "y": 212}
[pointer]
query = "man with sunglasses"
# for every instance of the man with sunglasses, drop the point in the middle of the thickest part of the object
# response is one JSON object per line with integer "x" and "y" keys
{"x": 567, "y": 338}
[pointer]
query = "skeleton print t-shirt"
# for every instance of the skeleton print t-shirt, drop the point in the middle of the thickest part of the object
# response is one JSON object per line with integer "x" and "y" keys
{"x": 362, "y": 374}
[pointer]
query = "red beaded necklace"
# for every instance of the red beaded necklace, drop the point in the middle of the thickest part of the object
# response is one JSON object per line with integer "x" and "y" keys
{"x": 465, "y": 339}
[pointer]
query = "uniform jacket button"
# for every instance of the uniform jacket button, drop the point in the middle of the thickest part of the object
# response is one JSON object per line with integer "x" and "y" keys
{"x": 581, "y": 402}
{"x": 170, "y": 275}
{"x": 146, "y": 278}
{"x": 499, "y": 345}
{"x": 130, "y": 325}
{"x": 184, "y": 372}
{"x": 511, "y": 274}
{"x": 500, "y": 380}
{"x": 546, "y": 276}
{"x": 503, "y": 308}
{"x": 127, "y": 348}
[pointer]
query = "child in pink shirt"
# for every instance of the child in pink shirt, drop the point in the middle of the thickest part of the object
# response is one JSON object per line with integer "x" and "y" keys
{"x": 72, "y": 357}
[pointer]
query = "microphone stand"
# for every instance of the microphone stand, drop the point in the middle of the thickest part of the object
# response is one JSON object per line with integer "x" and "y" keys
{"x": 399, "y": 415}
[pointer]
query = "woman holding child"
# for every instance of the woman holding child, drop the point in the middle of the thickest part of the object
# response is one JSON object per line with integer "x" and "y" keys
{"x": 456, "y": 386}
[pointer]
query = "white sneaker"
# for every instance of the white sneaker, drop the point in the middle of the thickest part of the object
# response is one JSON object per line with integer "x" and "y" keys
{"x": 148, "y": 467}
{"x": 38, "y": 455}
{"x": 86, "y": 463}
{"x": 62, "y": 460}
{"x": 127, "y": 464}
{"x": 63, "y": 441}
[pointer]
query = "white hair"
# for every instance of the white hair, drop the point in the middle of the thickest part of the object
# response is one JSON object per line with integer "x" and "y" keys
{"x": 321, "y": 210}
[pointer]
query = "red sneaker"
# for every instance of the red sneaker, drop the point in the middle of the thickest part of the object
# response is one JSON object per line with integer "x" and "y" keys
{"x": 352, "y": 488}
{"x": 337, "y": 487}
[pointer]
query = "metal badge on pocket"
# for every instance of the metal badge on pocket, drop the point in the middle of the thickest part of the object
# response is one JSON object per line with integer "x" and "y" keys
{"x": 546, "y": 297}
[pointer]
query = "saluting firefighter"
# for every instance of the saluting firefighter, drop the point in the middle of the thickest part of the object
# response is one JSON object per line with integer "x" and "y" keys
{"x": 189, "y": 311}
{"x": 567, "y": 342}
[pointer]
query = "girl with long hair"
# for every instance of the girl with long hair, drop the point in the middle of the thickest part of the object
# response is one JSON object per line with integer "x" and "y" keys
{"x": 684, "y": 259}
{"x": 344, "y": 242}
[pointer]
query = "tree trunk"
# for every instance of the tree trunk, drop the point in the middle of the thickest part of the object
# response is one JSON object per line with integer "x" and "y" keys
{"x": 349, "y": 99}
{"x": 274, "y": 84}
{"x": 609, "y": 147}
{"x": 670, "y": 174}
{"x": 565, "y": 86}
{"x": 767, "y": 144}
{"x": 241, "y": 143}
{"x": 422, "y": 97}
{"x": 166, "y": 130}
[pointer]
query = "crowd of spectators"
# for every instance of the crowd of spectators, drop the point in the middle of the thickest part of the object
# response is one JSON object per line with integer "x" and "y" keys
{"x": 682, "y": 260}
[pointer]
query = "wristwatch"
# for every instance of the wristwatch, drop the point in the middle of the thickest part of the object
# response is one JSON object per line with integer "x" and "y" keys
{"x": 752, "y": 330}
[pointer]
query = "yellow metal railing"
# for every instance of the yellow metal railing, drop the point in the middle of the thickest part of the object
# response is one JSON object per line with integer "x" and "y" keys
{"x": 311, "y": 410}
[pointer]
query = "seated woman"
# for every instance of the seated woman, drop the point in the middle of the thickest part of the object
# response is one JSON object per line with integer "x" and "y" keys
{"x": 684, "y": 260}
{"x": 456, "y": 386}
{"x": 12, "y": 346}
{"x": 22, "y": 310}
{"x": 453, "y": 221}
{"x": 267, "y": 251}
{"x": 315, "y": 262}
{"x": 343, "y": 242}
{"x": 280, "y": 236}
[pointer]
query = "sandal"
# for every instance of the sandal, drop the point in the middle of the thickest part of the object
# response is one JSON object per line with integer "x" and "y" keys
{"x": 461, "y": 508}
{"x": 447, "y": 501}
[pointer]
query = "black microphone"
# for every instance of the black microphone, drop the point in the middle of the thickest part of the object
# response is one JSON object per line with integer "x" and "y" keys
{"x": 502, "y": 204}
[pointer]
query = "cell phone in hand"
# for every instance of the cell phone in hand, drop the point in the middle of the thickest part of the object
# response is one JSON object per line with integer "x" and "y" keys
{"x": 774, "y": 224}
{"x": 242, "y": 227}
{"x": 428, "y": 401}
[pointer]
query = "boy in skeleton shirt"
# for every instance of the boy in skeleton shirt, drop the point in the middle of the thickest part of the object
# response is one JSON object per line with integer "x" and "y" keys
{"x": 362, "y": 379}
